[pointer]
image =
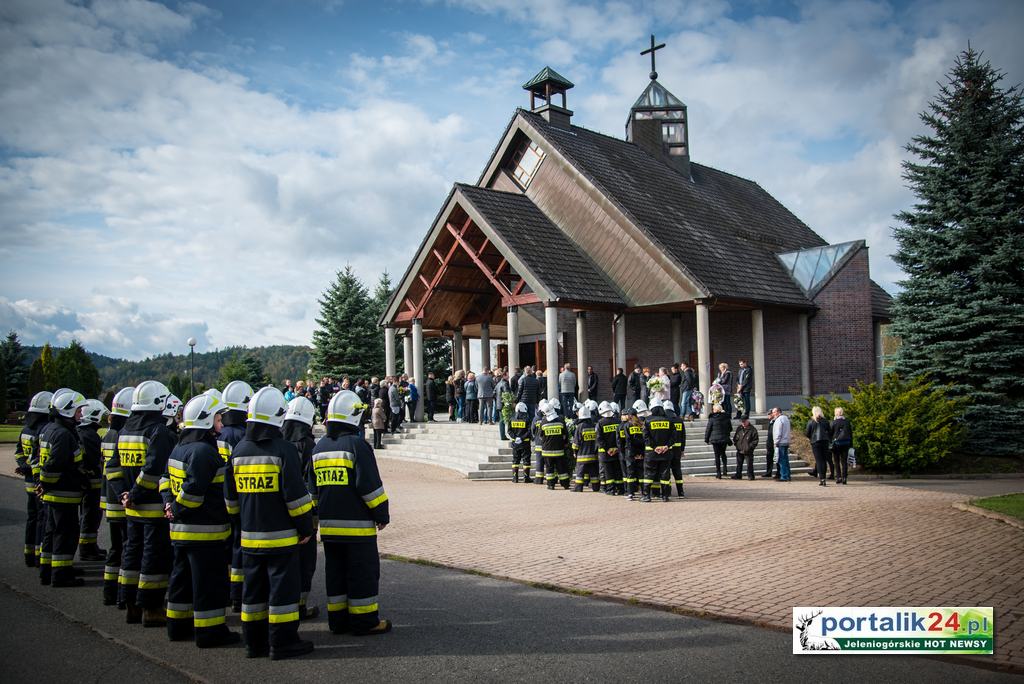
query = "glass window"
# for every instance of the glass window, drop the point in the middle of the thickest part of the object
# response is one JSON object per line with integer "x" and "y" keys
{"x": 525, "y": 162}
{"x": 810, "y": 268}
{"x": 672, "y": 132}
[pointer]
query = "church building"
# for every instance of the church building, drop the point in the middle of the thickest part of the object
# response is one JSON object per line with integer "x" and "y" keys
{"x": 576, "y": 246}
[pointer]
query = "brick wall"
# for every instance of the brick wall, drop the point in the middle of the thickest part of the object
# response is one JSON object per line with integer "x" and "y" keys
{"x": 842, "y": 339}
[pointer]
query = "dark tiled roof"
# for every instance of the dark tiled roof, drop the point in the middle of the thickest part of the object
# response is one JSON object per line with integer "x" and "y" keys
{"x": 548, "y": 74}
{"x": 881, "y": 301}
{"x": 724, "y": 230}
{"x": 560, "y": 266}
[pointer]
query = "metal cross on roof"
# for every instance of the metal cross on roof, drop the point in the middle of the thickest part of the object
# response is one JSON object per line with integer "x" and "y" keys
{"x": 651, "y": 50}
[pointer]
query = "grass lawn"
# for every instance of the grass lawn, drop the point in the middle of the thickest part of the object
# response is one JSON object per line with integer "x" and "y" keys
{"x": 1010, "y": 504}
{"x": 9, "y": 434}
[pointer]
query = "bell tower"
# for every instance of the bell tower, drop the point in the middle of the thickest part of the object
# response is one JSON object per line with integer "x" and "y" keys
{"x": 544, "y": 87}
{"x": 658, "y": 122}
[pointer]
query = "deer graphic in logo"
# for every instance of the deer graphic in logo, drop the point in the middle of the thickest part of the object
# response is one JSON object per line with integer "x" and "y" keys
{"x": 809, "y": 643}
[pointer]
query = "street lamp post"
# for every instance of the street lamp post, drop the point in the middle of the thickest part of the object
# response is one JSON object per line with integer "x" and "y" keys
{"x": 192, "y": 366}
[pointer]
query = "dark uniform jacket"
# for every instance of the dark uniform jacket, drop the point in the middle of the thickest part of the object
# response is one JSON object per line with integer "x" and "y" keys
{"x": 113, "y": 475}
{"x": 553, "y": 437}
{"x": 608, "y": 439}
{"x": 195, "y": 490}
{"x": 687, "y": 381}
{"x": 143, "y": 447}
{"x": 231, "y": 432}
{"x": 619, "y": 384}
{"x": 60, "y": 460}
{"x": 26, "y": 453}
{"x": 632, "y": 436}
{"x": 92, "y": 454}
{"x": 519, "y": 428}
{"x": 659, "y": 431}
{"x": 584, "y": 441}
{"x": 717, "y": 431}
{"x": 745, "y": 438}
{"x": 346, "y": 487}
{"x": 529, "y": 390}
{"x": 680, "y": 431}
{"x": 264, "y": 487}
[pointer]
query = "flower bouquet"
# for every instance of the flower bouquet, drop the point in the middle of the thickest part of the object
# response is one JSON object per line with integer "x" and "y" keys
{"x": 655, "y": 384}
{"x": 738, "y": 405}
{"x": 716, "y": 394}
{"x": 403, "y": 394}
{"x": 697, "y": 401}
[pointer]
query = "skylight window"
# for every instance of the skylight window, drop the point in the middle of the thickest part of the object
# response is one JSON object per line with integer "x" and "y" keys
{"x": 811, "y": 268}
{"x": 525, "y": 162}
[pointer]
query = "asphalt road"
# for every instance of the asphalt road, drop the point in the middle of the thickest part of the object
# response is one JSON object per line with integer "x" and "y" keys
{"x": 449, "y": 626}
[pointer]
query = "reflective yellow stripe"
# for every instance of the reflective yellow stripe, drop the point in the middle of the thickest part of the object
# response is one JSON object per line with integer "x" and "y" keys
{"x": 333, "y": 462}
{"x": 52, "y": 498}
{"x": 136, "y": 513}
{"x": 269, "y": 543}
{"x": 349, "y": 531}
{"x": 178, "y": 614}
{"x": 256, "y": 468}
{"x": 295, "y": 512}
{"x": 377, "y": 502}
{"x": 255, "y": 617}
{"x": 209, "y": 622}
{"x": 284, "y": 617}
{"x": 200, "y": 536}
{"x": 358, "y": 610}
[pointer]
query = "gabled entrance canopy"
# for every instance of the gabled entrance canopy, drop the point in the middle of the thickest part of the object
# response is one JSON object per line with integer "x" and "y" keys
{"x": 489, "y": 250}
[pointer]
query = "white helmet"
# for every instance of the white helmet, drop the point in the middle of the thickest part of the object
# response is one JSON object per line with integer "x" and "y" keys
{"x": 122, "y": 402}
{"x": 214, "y": 392}
{"x": 200, "y": 412}
{"x": 345, "y": 407}
{"x": 615, "y": 407}
{"x": 640, "y": 407}
{"x": 543, "y": 406}
{"x": 576, "y": 406}
{"x": 302, "y": 410}
{"x": 554, "y": 404}
{"x": 171, "y": 406}
{"x": 605, "y": 409}
{"x": 66, "y": 402}
{"x": 93, "y": 412}
{"x": 583, "y": 412}
{"x": 592, "y": 405}
{"x": 267, "y": 406}
{"x": 40, "y": 402}
{"x": 655, "y": 403}
{"x": 521, "y": 407}
{"x": 150, "y": 396}
{"x": 551, "y": 414}
{"x": 237, "y": 395}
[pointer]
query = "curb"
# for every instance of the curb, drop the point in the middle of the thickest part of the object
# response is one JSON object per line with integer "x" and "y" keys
{"x": 994, "y": 515}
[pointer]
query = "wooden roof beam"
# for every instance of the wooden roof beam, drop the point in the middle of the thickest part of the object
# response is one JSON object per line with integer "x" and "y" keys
{"x": 460, "y": 239}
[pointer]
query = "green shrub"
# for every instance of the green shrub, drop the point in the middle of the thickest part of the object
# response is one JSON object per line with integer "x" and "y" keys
{"x": 898, "y": 426}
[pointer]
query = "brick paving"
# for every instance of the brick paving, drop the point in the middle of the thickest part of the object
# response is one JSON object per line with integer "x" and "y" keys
{"x": 740, "y": 550}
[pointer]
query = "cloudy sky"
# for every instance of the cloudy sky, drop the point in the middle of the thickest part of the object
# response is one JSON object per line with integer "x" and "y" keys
{"x": 183, "y": 168}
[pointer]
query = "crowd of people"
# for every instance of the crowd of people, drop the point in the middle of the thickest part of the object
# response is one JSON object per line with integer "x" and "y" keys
{"x": 213, "y": 505}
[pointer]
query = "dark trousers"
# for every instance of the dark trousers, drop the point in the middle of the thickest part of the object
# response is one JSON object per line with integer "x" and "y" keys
{"x": 31, "y": 516}
{"x": 197, "y": 593}
{"x": 840, "y": 466}
{"x": 634, "y": 473}
{"x": 44, "y": 544}
{"x": 746, "y": 404}
{"x": 270, "y": 599}
{"x": 749, "y": 458}
{"x": 656, "y": 470}
{"x": 472, "y": 412}
{"x": 487, "y": 410}
{"x": 378, "y": 436}
{"x": 770, "y": 460}
{"x": 62, "y": 527}
{"x": 538, "y": 467}
{"x": 567, "y": 399}
{"x": 521, "y": 459}
{"x": 396, "y": 419}
{"x": 611, "y": 473}
{"x": 236, "y": 576}
{"x": 353, "y": 579}
{"x": 307, "y": 568}
{"x": 721, "y": 459}
{"x": 587, "y": 473}
{"x": 91, "y": 516}
{"x": 145, "y": 564}
{"x": 822, "y": 460}
{"x": 675, "y": 464}
{"x": 112, "y": 567}
{"x": 428, "y": 410}
{"x": 620, "y": 399}
{"x": 727, "y": 403}
{"x": 555, "y": 469}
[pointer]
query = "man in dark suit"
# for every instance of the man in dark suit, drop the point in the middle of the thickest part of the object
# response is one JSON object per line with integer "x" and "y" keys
{"x": 591, "y": 383}
{"x": 636, "y": 383}
{"x": 674, "y": 380}
{"x": 744, "y": 385}
{"x": 619, "y": 386}
{"x": 529, "y": 390}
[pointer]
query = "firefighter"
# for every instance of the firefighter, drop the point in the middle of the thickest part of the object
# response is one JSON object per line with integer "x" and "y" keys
{"x": 172, "y": 413}
{"x": 353, "y": 508}
{"x": 194, "y": 503}
{"x": 632, "y": 436}
{"x": 143, "y": 446}
{"x": 93, "y": 414}
{"x": 264, "y": 488}
{"x": 110, "y": 497}
{"x": 659, "y": 438}
{"x": 608, "y": 450}
{"x": 61, "y": 485}
{"x": 519, "y": 432}
{"x": 553, "y": 442}
{"x": 44, "y": 535}
{"x": 584, "y": 444}
{"x": 236, "y": 397}
{"x": 298, "y": 429}
{"x": 26, "y": 454}
{"x": 538, "y": 459}
{"x": 676, "y": 459}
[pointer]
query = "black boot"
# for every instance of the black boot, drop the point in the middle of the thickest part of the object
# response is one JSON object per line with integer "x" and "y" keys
{"x": 646, "y": 498}
{"x": 153, "y": 617}
{"x": 679, "y": 489}
{"x": 515, "y": 476}
{"x": 218, "y": 638}
{"x": 527, "y": 479}
{"x": 822, "y": 483}
{"x": 133, "y": 614}
{"x": 91, "y": 552}
{"x": 299, "y": 648}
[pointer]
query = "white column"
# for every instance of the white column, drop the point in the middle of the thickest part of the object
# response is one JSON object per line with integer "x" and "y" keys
{"x": 581, "y": 353}
{"x": 805, "y": 357}
{"x": 417, "y": 365}
{"x": 620, "y": 344}
{"x": 704, "y": 354}
{"x": 407, "y": 354}
{"x": 512, "y": 321}
{"x": 485, "y": 345}
{"x": 389, "y": 351}
{"x": 551, "y": 349}
{"x": 760, "y": 390}
{"x": 466, "y": 360}
{"x": 457, "y": 350}
{"x": 677, "y": 338}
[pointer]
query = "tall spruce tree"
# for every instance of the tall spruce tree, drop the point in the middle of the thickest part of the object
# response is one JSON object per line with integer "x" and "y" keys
{"x": 961, "y": 311}
{"x": 378, "y": 302}
{"x": 17, "y": 372}
{"x": 48, "y": 366}
{"x": 75, "y": 370}
{"x": 36, "y": 378}
{"x": 344, "y": 340}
